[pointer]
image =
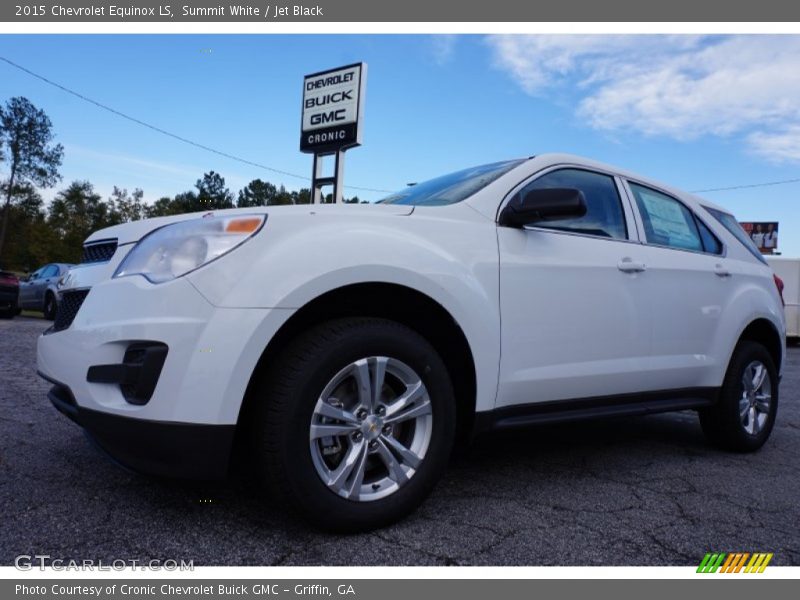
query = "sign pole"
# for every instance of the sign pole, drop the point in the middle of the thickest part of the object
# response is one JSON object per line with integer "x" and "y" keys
{"x": 333, "y": 103}
{"x": 338, "y": 185}
{"x": 319, "y": 181}
{"x": 316, "y": 188}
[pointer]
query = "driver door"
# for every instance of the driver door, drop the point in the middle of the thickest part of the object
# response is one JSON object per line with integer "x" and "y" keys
{"x": 575, "y": 321}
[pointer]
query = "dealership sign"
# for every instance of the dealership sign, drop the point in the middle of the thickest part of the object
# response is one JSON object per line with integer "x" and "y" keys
{"x": 333, "y": 103}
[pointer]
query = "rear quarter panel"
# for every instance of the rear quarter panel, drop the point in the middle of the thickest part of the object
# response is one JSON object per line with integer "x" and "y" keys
{"x": 755, "y": 296}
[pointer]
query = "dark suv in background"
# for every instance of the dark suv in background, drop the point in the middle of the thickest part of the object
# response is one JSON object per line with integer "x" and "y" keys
{"x": 9, "y": 294}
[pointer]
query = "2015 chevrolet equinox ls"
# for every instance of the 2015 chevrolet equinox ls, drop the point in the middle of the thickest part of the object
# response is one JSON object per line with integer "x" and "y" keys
{"x": 352, "y": 344}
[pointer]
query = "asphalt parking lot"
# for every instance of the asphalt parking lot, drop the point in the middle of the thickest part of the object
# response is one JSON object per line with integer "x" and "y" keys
{"x": 638, "y": 491}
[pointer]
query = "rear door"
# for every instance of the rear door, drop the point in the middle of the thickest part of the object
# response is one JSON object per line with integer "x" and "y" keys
{"x": 27, "y": 290}
{"x": 49, "y": 274}
{"x": 575, "y": 319}
{"x": 689, "y": 282}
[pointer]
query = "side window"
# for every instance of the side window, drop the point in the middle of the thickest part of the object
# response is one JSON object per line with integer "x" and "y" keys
{"x": 604, "y": 215}
{"x": 710, "y": 242}
{"x": 729, "y": 222}
{"x": 666, "y": 221}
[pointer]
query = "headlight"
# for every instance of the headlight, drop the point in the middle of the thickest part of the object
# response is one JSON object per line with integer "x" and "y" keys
{"x": 175, "y": 250}
{"x": 64, "y": 280}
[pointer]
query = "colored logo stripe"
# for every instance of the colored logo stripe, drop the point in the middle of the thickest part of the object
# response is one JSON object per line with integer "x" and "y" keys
{"x": 711, "y": 562}
{"x": 758, "y": 563}
{"x": 734, "y": 562}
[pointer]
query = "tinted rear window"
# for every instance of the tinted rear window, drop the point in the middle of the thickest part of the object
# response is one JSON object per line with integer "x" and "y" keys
{"x": 729, "y": 222}
{"x": 710, "y": 242}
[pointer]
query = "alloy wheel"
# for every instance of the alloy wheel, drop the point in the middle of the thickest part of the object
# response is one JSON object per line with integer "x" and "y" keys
{"x": 754, "y": 405}
{"x": 371, "y": 428}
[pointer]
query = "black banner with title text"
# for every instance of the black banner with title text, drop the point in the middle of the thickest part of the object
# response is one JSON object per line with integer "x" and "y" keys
{"x": 257, "y": 11}
{"x": 394, "y": 589}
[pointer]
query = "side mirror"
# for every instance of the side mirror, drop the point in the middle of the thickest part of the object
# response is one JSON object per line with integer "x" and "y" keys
{"x": 543, "y": 205}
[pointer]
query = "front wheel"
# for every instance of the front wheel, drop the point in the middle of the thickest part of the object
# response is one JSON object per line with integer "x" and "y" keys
{"x": 355, "y": 423}
{"x": 50, "y": 306}
{"x": 744, "y": 415}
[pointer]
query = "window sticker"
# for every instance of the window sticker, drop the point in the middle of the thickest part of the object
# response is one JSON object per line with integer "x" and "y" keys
{"x": 668, "y": 220}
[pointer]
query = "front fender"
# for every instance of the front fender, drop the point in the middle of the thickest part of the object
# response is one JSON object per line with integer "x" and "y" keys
{"x": 454, "y": 262}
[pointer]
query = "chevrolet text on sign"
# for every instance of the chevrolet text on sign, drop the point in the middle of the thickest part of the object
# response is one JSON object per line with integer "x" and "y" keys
{"x": 332, "y": 109}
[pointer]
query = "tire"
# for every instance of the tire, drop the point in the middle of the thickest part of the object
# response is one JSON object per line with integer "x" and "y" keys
{"x": 7, "y": 313}
{"x": 743, "y": 417}
{"x": 318, "y": 373}
{"x": 50, "y": 306}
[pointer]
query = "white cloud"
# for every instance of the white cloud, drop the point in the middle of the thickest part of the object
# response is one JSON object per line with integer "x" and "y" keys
{"x": 156, "y": 178}
{"x": 681, "y": 87}
{"x": 444, "y": 46}
{"x": 134, "y": 164}
{"x": 779, "y": 147}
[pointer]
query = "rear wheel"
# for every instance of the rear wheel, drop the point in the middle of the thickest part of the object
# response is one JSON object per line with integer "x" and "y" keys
{"x": 355, "y": 423}
{"x": 50, "y": 306}
{"x": 743, "y": 418}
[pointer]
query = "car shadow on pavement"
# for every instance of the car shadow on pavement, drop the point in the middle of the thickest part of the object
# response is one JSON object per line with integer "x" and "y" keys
{"x": 549, "y": 449}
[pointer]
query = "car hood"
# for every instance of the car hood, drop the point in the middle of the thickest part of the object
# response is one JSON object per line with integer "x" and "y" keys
{"x": 136, "y": 230}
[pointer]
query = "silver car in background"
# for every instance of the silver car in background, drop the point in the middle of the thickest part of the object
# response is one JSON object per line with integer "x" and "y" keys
{"x": 38, "y": 290}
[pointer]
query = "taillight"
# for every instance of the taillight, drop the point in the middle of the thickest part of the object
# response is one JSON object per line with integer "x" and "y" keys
{"x": 779, "y": 285}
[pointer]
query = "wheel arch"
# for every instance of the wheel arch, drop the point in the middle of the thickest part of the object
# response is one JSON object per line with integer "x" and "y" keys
{"x": 391, "y": 301}
{"x": 764, "y": 332}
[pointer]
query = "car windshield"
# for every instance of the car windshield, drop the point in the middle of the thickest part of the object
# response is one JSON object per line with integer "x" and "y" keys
{"x": 452, "y": 188}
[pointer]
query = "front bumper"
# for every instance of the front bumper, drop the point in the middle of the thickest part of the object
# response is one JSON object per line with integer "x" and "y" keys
{"x": 184, "y": 426}
{"x": 212, "y": 351}
{"x": 160, "y": 448}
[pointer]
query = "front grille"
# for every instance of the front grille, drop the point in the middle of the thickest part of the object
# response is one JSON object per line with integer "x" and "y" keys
{"x": 68, "y": 307}
{"x": 101, "y": 251}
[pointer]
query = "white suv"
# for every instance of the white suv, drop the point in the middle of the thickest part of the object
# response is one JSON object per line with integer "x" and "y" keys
{"x": 351, "y": 346}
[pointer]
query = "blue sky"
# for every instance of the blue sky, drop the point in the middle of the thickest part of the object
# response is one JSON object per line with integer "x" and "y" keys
{"x": 695, "y": 111}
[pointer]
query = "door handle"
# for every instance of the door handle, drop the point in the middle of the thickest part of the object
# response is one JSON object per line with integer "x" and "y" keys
{"x": 721, "y": 271}
{"x": 626, "y": 265}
